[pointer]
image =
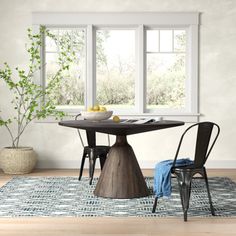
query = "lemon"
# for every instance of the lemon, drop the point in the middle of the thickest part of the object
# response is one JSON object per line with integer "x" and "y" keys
{"x": 96, "y": 108}
{"x": 116, "y": 119}
{"x": 90, "y": 109}
{"x": 103, "y": 109}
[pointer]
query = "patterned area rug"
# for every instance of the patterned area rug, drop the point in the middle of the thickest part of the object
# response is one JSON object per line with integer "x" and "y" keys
{"x": 66, "y": 196}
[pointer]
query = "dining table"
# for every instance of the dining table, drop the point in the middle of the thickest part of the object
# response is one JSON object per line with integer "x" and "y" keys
{"x": 121, "y": 176}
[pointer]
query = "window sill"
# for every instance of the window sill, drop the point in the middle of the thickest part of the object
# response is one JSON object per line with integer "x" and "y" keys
{"x": 188, "y": 117}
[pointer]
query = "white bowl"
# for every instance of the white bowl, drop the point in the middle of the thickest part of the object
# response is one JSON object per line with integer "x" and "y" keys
{"x": 96, "y": 115}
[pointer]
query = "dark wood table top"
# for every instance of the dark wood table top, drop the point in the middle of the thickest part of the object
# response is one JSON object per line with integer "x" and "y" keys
{"x": 110, "y": 127}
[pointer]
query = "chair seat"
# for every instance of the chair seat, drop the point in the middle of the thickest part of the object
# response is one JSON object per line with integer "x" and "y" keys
{"x": 98, "y": 148}
{"x": 92, "y": 153}
{"x": 185, "y": 167}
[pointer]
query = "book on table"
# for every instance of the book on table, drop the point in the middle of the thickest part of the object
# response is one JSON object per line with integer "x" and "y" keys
{"x": 142, "y": 120}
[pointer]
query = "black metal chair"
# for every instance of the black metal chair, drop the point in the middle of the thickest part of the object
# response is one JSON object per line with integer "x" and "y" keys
{"x": 92, "y": 152}
{"x": 185, "y": 174}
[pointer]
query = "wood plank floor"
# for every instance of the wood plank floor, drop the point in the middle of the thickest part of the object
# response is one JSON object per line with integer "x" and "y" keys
{"x": 60, "y": 226}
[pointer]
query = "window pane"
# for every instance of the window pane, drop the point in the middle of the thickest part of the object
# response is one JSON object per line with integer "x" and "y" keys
{"x": 71, "y": 89}
{"x": 166, "y": 41}
{"x": 152, "y": 40}
{"x": 179, "y": 40}
{"x": 51, "y": 45}
{"x": 166, "y": 80}
{"x": 115, "y": 63}
{"x": 52, "y": 66}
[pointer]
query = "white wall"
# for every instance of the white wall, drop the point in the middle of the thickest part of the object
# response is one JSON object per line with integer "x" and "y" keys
{"x": 60, "y": 146}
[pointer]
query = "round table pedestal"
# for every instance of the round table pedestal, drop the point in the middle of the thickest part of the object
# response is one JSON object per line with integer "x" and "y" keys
{"x": 121, "y": 176}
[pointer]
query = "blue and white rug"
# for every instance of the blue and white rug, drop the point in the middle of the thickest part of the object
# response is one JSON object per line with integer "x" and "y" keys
{"x": 68, "y": 197}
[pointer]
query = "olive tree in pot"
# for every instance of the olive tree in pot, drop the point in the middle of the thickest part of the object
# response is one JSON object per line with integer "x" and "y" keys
{"x": 30, "y": 101}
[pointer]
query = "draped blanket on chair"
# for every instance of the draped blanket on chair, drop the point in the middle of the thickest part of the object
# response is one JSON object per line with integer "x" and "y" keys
{"x": 162, "y": 176}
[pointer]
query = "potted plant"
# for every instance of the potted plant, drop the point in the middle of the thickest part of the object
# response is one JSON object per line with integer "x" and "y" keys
{"x": 30, "y": 100}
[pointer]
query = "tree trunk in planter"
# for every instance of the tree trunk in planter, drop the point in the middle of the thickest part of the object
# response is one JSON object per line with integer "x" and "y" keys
{"x": 20, "y": 160}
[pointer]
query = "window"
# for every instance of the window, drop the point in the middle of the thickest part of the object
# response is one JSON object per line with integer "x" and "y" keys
{"x": 166, "y": 68}
{"x": 137, "y": 64}
{"x": 71, "y": 91}
{"x": 115, "y": 68}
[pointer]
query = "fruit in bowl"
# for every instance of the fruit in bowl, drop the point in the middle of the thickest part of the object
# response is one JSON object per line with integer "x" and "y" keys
{"x": 96, "y": 113}
{"x": 97, "y": 108}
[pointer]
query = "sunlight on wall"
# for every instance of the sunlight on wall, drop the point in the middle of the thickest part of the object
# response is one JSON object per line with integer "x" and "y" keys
{"x": 59, "y": 146}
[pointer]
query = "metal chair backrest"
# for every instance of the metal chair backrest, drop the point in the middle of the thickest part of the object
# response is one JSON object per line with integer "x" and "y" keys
{"x": 91, "y": 136}
{"x": 202, "y": 149}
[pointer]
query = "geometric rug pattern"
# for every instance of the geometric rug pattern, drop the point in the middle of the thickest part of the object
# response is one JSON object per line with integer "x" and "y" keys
{"x": 68, "y": 197}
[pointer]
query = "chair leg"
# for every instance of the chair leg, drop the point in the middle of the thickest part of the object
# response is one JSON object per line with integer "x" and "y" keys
{"x": 154, "y": 205}
{"x": 92, "y": 162}
{"x": 208, "y": 192}
{"x": 82, "y": 165}
{"x": 102, "y": 161}
{"x": 184, "y": 181}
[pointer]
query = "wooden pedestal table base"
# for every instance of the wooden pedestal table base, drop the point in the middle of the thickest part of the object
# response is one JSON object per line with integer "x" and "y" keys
{"x": 121, "y": 176}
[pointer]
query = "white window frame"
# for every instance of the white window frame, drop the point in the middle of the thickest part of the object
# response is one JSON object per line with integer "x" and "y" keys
{"x": 187, "y": 85}
{"x": 139, "y": 21}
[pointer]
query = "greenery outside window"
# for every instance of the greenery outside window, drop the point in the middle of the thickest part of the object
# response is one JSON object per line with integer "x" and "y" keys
{"x": 115, "y": 68}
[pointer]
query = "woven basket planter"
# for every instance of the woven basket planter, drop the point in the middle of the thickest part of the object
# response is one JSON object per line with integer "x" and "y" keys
{"x": 20, "y": 160}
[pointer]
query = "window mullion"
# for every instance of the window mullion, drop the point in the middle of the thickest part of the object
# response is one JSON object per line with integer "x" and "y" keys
{"x": 140, "y": 87}
{"x": 193, "y": 68}
{"x": 91, "y": 67}
{"x": 40, "y": 76}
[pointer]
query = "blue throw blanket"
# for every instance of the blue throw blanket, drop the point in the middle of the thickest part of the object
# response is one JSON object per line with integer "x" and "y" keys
{"x": 162, "y": 176}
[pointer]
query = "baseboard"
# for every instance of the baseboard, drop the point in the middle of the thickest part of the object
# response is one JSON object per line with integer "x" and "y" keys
{"x": 150, "y": 164}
